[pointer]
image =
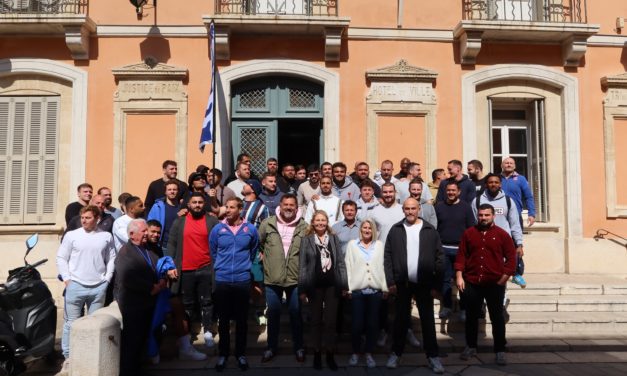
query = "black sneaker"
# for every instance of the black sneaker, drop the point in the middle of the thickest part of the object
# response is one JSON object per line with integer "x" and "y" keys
{"x": 242, "y": 363}
{"x": 221, "y": 363}
{"x": 331, "y": 361}
{"x": 317, "y": 363}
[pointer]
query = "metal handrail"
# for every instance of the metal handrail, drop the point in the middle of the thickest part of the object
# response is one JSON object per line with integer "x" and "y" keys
{"x": 44, "y": 6}
{"x": 602, "y": 233}
{"x": 558, "y": 11}
{"x": 278, "y": 7}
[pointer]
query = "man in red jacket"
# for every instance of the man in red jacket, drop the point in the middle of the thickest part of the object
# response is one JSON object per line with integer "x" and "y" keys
{"x": 485, "y": 261}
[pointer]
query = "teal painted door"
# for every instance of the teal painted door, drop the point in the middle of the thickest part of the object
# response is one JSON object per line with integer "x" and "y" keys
{"x": 282, "y": 112}
{"x": 257, "y": 138}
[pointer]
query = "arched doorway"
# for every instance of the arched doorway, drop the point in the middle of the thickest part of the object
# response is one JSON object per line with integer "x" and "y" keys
{"x": 281, "y": 117}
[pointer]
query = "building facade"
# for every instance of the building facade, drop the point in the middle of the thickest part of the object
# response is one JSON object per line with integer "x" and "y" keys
{"x": 102, "y": 92}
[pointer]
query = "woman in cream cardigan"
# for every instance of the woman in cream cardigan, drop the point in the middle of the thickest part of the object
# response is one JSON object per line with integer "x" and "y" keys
{"x": 367, "y": 286}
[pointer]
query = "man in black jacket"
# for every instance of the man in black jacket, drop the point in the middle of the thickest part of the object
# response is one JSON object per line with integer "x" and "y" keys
{"x": 414, "y": 265}
{"x": 137, "y": 285}
{"x": 156, "y": 189}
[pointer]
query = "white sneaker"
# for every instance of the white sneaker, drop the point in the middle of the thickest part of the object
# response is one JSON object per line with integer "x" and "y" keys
{"x": 468, "y": 353}
{"x": 353, "y": 360}
{"x": 383, "y": 337}
{"x": 411, "y": 338}
{"x": 392, "y": 361}
{"x": 190, "y": 353}
{"x": 155, "y": 359}
{"x": 436, "y": 365}
{"x": 370, "y": 363}
{"x": 209, "y": 342}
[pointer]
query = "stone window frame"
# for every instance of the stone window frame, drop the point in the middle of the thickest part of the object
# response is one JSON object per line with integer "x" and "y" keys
{"x": 175, "y": 103}
{"x": 614, "y": 108}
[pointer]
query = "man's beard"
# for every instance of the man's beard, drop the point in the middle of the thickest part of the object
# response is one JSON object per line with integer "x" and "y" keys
{"x": 484, "y": 226}
{"x": 197, "y": 214}
{"x": 493, "y": 194}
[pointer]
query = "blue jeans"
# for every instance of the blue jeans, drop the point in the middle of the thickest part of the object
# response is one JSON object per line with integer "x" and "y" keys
{"x": 76, "y": 297}
{"x": 274, "y": 295}
{"x": 449, "y": 273}
{"x": 365, "y": 312}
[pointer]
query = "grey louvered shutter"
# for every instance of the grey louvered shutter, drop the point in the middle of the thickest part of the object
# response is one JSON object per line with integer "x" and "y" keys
{"x": 13, "y": 157}
{"x": 41, "y": 166}
{"x": 4, "y": 160}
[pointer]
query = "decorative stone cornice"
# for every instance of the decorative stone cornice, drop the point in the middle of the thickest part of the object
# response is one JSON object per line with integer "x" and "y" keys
{"x": 401, "y": 71}
{"x": 615, "y": 81}
{"x": 150, "y": 68}
{"x": 573, "y": 37}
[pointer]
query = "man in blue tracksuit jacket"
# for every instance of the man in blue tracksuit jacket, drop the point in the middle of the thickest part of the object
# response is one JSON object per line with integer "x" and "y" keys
{"x": 233, "y": 245}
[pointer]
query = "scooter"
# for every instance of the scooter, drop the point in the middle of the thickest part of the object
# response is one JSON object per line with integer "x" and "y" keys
{"x": 28, "y": 317}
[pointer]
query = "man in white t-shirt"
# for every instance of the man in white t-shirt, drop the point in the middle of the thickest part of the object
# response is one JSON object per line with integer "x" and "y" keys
{"x": 326, "y": 202}
{"x": 414, "y": 266}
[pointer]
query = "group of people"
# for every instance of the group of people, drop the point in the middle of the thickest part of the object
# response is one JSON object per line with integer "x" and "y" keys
{"x": 316, "y": 236}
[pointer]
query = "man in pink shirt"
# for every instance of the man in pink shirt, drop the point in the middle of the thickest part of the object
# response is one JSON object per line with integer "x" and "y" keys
{"x": 279, "y": 239}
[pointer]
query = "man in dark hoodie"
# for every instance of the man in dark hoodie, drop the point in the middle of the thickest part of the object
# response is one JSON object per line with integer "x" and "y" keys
{"x": 270, "y": 195}
{"x": 287, "y": 181}
{"x": 466, "y": 186}
{"x": 343, "y": 186}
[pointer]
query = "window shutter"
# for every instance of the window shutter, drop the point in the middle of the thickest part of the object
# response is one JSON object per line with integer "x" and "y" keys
{"x": 40, "y": 184}
{"x": 4, "y": 151}
{"x": 13, "y": 213}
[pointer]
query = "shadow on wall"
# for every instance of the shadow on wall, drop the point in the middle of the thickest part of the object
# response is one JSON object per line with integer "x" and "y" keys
{"x": 623, "y": 57}
{"x": 155, "y": 45}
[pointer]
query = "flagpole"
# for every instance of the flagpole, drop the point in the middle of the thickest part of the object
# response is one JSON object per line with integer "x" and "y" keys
{"x": 215, "y": 102}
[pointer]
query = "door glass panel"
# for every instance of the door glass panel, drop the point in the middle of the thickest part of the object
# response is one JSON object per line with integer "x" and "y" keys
{"x": 496, "y": 141}
{"x": 518, "y": 141}
{"x": 253, "y": 142}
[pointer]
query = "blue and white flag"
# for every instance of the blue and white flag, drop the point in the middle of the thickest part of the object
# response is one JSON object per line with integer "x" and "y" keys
{"x": 206, "y": 135}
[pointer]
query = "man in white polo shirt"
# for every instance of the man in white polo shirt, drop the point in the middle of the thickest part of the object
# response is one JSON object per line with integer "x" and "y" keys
{"x": 85, "y": 261}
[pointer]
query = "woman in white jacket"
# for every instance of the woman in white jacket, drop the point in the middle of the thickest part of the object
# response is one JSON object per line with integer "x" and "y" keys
{"x": 367, "y": 286}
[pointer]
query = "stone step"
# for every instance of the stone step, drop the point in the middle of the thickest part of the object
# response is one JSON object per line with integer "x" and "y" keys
{"x": 568, "y": 303}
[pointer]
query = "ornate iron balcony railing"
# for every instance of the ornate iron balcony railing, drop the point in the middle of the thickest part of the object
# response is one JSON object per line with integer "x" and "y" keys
{"x": 44, "y": 6}
{"x": 559, "y": 11}
{"x": 278, "y": 7}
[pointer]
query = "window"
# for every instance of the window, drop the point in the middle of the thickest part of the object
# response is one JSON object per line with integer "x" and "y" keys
{"x": 28, "y": 159}
{"x": 518, "y": 132}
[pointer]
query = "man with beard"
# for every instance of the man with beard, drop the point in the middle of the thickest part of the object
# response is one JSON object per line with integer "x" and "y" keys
{"x": 414, "y": 171}
{"x": 287, "y": 181}
{"x": 188, "y": 245}
{"x": 245, "y": 159}
{"x": 505, "y": 211}
{"x": 197, "y": 183}
{"x": 134, "y": 209}
{"x": 181, "y": 327}
{"x": 484, "y": 263}
{"x": 327, "y": 202}
{"x": 426, "y": 209}
{"x": 105, "y": 220}
{"x": 467, "y": 187}
{"x": 326, "y": 169}
{"x": 404, "y": 172}
{"x": 156, "y": 189}
{"x": 475, "y": 173}
{"x": 343, "y": 186}
{"x": 279, "y": 239}
{"x": 217, "y": 191}
{"x": 270, "y": 195}
{"x": 361, "y": 174}
{"x": 385, "y": 173}
{"x": 242, "y": 171}
{"x": 108, "y": 199}
{"x": 166, "y": 210}
{"x": 272, "y": 166}
{"x": 309, "y": 188}
{"x": 454, "y": 217}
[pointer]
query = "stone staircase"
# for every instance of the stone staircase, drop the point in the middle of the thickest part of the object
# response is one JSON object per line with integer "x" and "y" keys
{"x": 556, "y": 312}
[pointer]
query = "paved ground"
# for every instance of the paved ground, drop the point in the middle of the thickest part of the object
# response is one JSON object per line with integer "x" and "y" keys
{"x": 536, "y": 364}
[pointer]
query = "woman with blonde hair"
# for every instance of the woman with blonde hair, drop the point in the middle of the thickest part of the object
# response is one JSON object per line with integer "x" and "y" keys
{"x": 367, "y": 286}
{"x": 321, "y": 281}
